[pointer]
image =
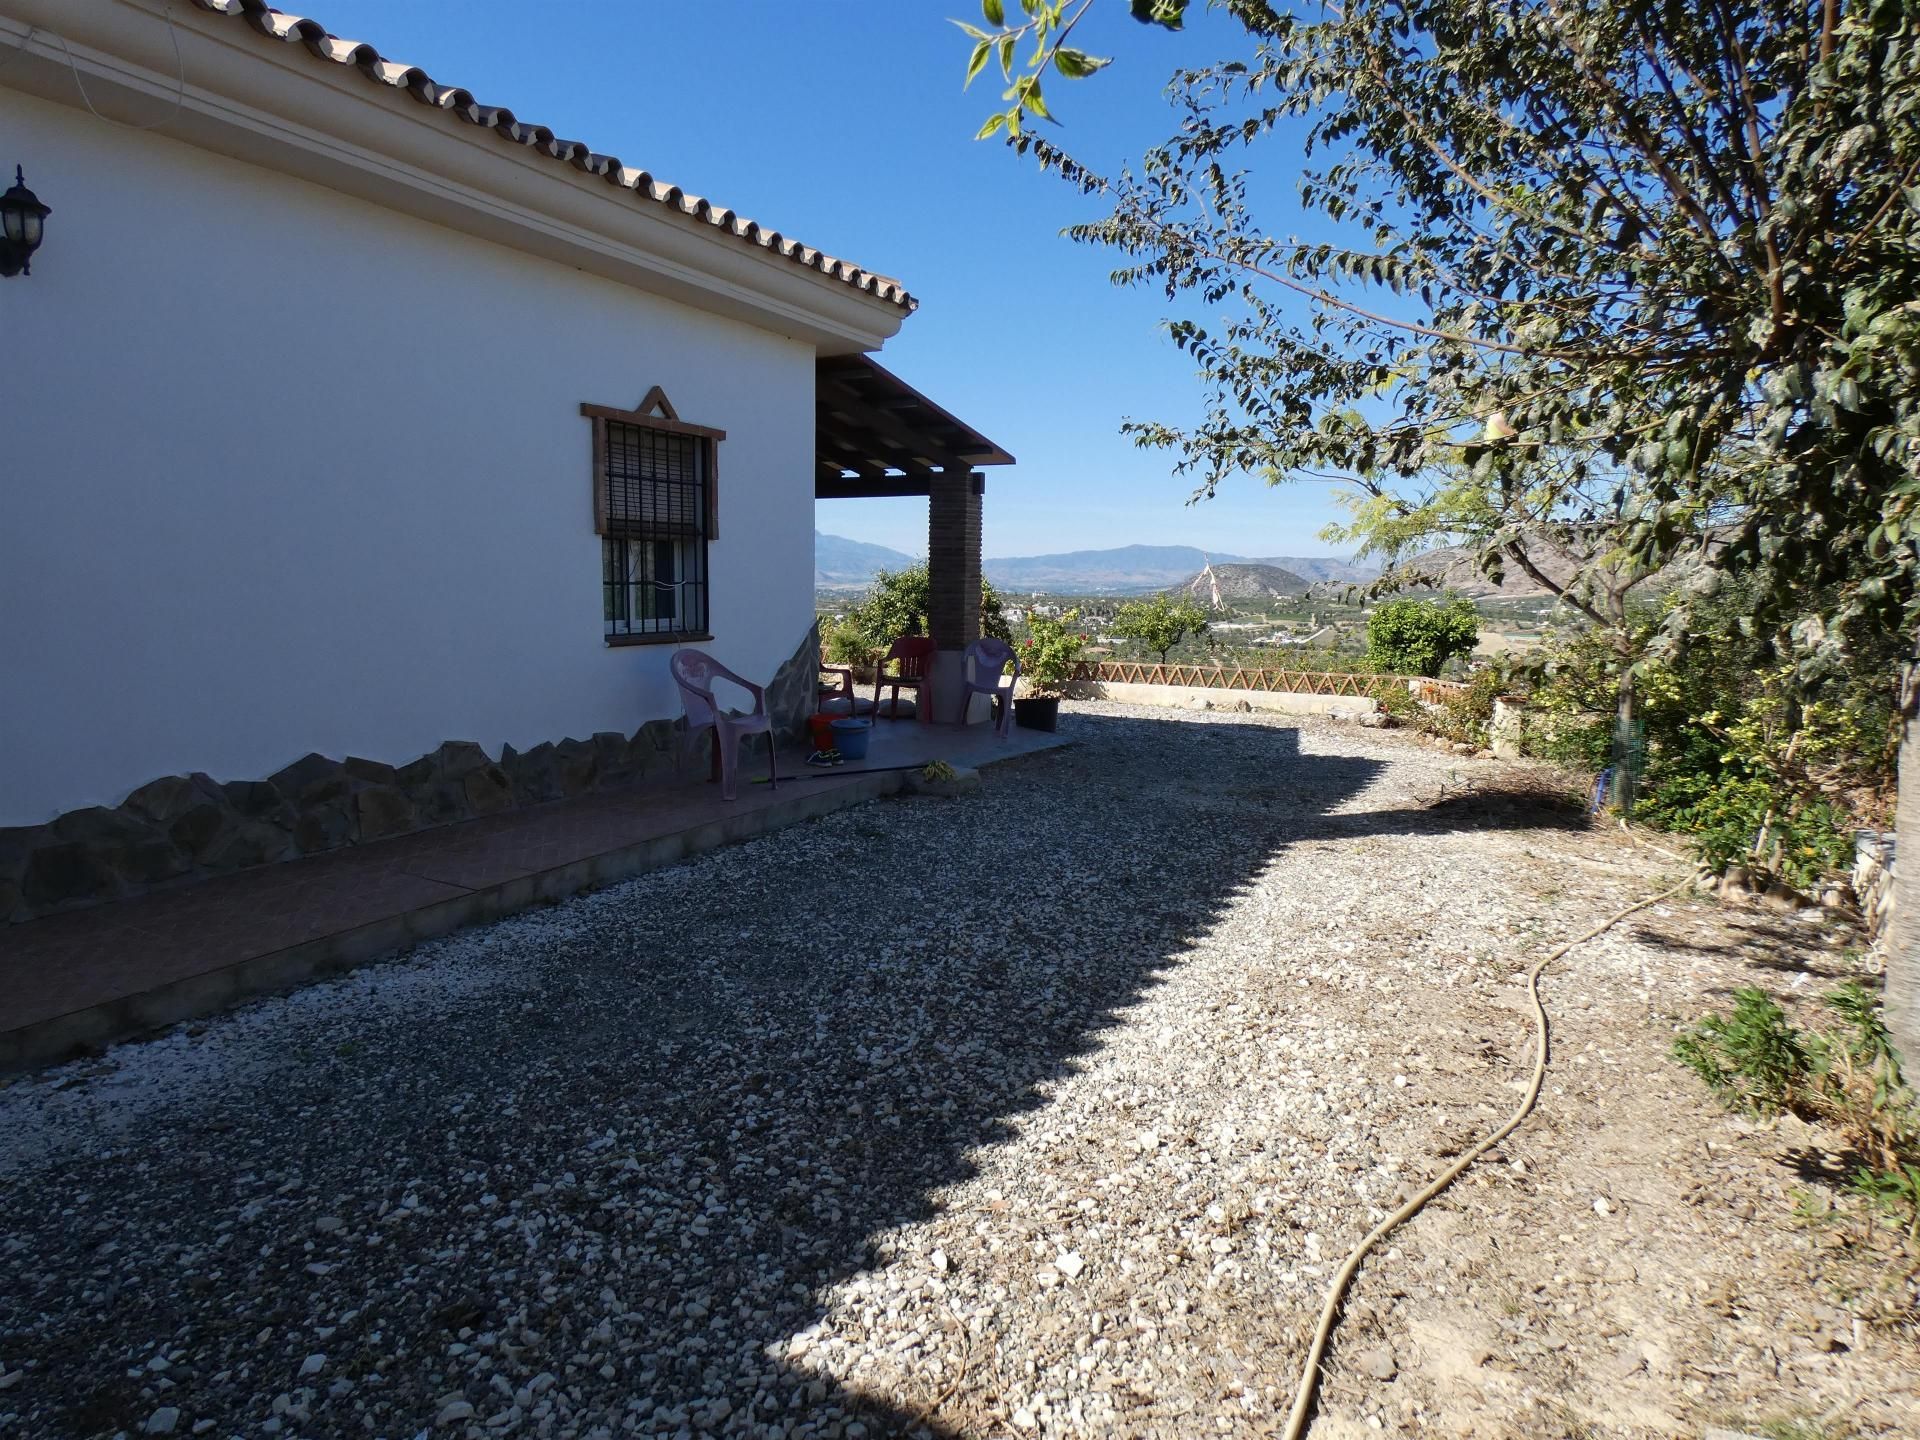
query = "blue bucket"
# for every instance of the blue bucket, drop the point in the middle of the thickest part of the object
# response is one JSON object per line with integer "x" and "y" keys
{"x": 850, "y": 737}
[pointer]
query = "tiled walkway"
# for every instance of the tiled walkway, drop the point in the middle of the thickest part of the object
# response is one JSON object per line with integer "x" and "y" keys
{"x": 89, "y": 977}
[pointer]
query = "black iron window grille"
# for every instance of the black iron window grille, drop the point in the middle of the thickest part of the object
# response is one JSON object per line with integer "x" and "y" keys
{"x": 655, "y": 521}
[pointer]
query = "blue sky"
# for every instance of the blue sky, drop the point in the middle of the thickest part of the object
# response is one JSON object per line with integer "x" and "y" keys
{"x": 846, "y": 126}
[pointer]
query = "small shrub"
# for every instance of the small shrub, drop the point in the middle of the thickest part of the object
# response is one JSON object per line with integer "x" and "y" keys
{"x": 1464, "y": 715}
{"x": 847, "y": 646}
{"x": 1753, "y": 1059}
{"x": 1050, "y": 651}
{"x": 1743, "y": 819}
{"x": 1860, "y": 1086}
{"x": 1896, "y": 1190}
{"x": 1578, "y": 745}
{"x": 1398, "y": 702}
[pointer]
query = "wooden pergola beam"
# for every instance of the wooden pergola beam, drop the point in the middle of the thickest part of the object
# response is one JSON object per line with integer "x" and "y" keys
{"x": 885, "y": 425}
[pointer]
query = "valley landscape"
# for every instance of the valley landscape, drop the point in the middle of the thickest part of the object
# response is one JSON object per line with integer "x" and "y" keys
{"x": 1296, "y": 611}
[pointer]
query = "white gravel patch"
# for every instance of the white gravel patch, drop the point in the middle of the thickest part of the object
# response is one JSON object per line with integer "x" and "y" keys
{"x": 196, "y": 1069}
{"x": 1047, "y": 1110}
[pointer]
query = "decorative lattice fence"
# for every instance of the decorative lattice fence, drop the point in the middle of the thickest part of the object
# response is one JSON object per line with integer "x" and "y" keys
{"x": 1241, "y": 677}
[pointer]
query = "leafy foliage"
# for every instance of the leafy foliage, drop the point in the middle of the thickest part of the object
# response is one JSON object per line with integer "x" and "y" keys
{"x": 1738, "y": 755}
{"x": 1753, "y": 1058}
{"x": 1047, "y": 27}
{"x": 1418, "y": 637}
{"x": 896, "y": 605}
{"x": 1401, "y": 705}
{"x": 1756, "y": 1059}
{"x": 1050, "y": 651}
{"x": 1466, "y": 714}
{"x": 1743, "y": 820}
{"x": 1159, "y": 623}
{"x": 1637, "y": 277}
{"x": 1668, "y": 249}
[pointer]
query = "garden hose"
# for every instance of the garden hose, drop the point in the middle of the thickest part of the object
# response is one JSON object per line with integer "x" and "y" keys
{"x": 1336, "y": 1292}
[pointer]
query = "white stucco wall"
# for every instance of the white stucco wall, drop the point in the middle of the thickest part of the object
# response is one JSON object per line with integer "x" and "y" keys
{"x": 284, "y": 472}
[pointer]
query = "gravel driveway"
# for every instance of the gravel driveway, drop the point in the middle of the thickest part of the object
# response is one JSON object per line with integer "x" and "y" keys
{"x": 1044, "y": 1110}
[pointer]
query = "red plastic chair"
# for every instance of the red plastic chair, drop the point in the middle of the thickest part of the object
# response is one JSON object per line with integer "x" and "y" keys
{"x": 694, "y": 671}
{"x": 982, "y": 669}
{"x": 915, "y": 654}
{"x": 839, "y": 698}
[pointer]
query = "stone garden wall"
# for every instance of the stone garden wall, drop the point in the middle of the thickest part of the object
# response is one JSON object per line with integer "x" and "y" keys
{"x": 180, "y": 827}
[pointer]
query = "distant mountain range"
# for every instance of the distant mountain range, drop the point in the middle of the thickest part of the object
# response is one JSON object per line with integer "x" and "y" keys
{"x": 840, "y": 563}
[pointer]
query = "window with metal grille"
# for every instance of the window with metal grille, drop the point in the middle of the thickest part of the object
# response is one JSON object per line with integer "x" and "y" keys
{"x": 654, "y": 509}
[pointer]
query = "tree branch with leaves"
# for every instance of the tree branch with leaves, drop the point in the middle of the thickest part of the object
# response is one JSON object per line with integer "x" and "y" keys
{"x": 1677, "y": 245}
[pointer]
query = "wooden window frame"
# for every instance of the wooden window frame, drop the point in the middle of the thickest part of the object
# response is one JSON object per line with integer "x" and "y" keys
{"x": 656, "y": 412}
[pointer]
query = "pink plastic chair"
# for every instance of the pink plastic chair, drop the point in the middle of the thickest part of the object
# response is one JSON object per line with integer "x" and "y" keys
{"x": 915, "y": 654}
{"x": 982, "y": 669}
{"x": 694, "y": 671}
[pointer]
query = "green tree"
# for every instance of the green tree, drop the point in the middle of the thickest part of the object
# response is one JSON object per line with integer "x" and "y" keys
{"x": 896, "y": 605}
{"x": 1543, "y": 511}
{"x": 1159, "y": 623}
{"x": 1418, "y": 637}
{"x": 1684, "y": 240}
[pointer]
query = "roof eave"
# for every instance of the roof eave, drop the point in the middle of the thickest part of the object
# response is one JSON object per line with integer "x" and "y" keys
{"x": 272, "y": 105}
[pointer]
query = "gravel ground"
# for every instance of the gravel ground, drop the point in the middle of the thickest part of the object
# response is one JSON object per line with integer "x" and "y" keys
{"x": 1049, "y": 1109}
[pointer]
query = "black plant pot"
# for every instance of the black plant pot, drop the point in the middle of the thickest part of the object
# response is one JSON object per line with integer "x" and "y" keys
{"x": 1037, "y": 712}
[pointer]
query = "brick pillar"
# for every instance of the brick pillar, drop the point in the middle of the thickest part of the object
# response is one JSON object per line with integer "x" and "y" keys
{"x": 953, "y": 572}
{"x": 953, "y": 558}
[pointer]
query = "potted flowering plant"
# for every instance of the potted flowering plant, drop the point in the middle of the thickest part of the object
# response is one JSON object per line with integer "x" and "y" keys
{"x": 1047, "y": 658}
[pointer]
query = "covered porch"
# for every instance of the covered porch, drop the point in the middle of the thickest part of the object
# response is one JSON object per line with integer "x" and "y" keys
{"x": 878, "y": 437}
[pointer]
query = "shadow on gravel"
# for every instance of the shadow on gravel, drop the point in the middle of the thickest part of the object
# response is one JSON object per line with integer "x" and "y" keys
{"x": 1520, "y": 807}
{"x": 719, "y": 1089}
{"x": 1761, "y": 941}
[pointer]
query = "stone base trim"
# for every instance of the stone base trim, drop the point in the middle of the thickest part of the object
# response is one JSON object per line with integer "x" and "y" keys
{"x": 185, "y": 827}
{"x": 95, "y": 1026}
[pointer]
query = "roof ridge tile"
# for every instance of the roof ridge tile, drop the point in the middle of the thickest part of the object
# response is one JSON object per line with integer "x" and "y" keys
{"x": 322, "y": 44}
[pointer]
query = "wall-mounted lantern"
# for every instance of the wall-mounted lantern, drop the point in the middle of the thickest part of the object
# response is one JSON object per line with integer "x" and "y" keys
{"x": 22, "y": 219}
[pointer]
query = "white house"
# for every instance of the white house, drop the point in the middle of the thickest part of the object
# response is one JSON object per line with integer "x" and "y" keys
{"x": 346, "y": 416}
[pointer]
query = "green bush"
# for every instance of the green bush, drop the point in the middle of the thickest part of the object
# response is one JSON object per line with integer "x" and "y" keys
{"x": 1050, "y": 651}
{"x": 1760, "y": 765}
{"x": 1748, "y": 820}
{"x": 1398, "y": 702}
{"x": 1418, "y": 637}
{"x": 1465, "y": 714}
{"x": 1755, "y": 1059}
{"x": 1579, "y": 745}
{"x": 847, "y": 646}
{"x": 897, "y": 605}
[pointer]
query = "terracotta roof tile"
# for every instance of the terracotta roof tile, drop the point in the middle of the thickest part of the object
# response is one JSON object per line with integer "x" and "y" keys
{"x": 428, "y": 91}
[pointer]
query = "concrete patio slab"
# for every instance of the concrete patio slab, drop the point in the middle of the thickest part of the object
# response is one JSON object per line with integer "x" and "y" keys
{"x": 87, "y": 978}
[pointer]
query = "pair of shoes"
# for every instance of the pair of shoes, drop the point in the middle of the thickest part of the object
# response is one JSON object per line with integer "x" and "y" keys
{"x": 825, "y": 758}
